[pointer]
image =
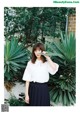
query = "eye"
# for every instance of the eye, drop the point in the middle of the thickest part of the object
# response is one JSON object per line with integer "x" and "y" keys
{"x": 38, "y": 52}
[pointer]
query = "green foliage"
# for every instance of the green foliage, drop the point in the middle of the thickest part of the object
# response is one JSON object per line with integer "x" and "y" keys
{"x": 13, "y": 101}
{"x": 64, "y": 80}
{"x": 63, "y": 50}
{"x": 34, "y": 22}
{"x": 15, "y": 58}
{"x": 65, "y": 97}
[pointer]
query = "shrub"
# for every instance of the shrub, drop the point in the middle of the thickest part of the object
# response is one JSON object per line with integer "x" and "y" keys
{"x": 63, "y": 52}
{"x": 15, "y": 58}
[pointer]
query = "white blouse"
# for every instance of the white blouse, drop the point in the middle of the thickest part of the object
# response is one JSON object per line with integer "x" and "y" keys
{"x": 38, "y": 72}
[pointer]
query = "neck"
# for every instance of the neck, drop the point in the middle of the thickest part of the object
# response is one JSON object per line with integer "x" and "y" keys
{"x": 38, "y": 58}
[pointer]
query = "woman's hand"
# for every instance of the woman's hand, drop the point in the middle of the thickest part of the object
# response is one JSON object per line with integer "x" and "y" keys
{"x": 45, "y": 54}
{"x": 27, "y": 99}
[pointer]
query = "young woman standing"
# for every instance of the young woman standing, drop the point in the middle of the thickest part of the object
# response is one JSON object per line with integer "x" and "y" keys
{"x": 36, "y": 76}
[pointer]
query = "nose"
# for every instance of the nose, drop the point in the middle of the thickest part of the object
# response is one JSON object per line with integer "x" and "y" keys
{"x": 38, "y": 52}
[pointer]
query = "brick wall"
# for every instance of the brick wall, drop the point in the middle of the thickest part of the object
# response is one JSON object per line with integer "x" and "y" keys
{"x": 72, "y": 23}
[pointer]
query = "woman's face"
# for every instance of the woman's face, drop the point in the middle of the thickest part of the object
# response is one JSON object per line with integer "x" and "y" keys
{"x": 37, "y": 53}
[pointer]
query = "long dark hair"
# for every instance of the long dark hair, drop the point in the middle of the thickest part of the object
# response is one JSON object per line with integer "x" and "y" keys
{"x": 42, "y": 48}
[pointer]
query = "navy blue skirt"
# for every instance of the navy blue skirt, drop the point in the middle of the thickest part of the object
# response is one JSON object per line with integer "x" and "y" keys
{"x": 39, "y": 94}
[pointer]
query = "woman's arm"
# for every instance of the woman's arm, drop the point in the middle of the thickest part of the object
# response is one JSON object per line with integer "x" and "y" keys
{"x": 52, "y": 64}
{"x": 26, "y": 92}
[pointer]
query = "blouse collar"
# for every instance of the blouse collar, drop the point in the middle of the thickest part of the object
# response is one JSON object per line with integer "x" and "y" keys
{"x": 38, "y": 61}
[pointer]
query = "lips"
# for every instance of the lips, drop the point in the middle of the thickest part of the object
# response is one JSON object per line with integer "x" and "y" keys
{"x": 38, "y": 55}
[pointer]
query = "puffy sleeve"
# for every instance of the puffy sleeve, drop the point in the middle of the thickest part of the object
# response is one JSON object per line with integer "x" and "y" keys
{"x": 51, "y": 70}
{"x": 27, "y": 74}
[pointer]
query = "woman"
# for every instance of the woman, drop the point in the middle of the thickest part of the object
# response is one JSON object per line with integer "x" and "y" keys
{"x": 36, "y": 76}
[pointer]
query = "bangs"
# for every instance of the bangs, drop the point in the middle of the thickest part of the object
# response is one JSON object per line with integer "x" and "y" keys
{"x": 39, "y": 47}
